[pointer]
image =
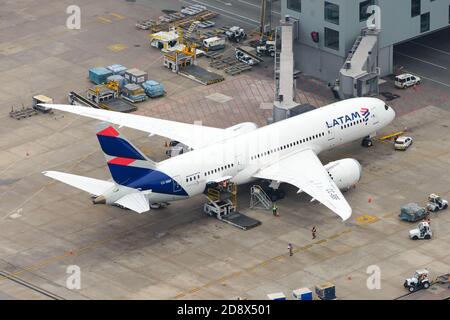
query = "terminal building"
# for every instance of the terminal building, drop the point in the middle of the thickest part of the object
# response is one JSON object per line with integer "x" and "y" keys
{"x": 334, "y": 40}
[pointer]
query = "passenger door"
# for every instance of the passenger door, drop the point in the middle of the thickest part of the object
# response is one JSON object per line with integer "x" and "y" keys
{"x": 331, "y": 137}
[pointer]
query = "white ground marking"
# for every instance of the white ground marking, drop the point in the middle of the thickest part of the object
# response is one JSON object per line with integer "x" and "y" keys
{"x": 429, "y": 47}
{"x": 424, "y": 61}
{"x": 255, "y": 5}
{"x": 223, "y": 10}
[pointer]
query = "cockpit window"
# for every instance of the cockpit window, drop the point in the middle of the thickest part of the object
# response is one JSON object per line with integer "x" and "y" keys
{"x": 386, "y": 107}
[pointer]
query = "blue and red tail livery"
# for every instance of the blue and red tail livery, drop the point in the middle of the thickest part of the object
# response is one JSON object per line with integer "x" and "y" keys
{"x": 130, "y": 167}
{"x": 113, "y": 144}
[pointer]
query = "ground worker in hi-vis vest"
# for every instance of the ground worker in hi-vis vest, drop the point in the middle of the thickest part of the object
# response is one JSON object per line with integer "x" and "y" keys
{"x": 275, "y": 210}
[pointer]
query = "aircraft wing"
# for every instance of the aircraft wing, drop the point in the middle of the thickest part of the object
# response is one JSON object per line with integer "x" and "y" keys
{"x": 91, "y": 185}
{"x": 194, "y": 136}
{"x": 304, "y": 170}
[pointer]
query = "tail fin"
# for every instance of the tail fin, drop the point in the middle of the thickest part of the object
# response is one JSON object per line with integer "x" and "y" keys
{"x": 126, "y": 163}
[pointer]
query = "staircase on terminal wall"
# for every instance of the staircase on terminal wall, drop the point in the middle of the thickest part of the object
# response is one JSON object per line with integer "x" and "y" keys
{"x": 259, "y": 199}
{"x": 359, "y": 75}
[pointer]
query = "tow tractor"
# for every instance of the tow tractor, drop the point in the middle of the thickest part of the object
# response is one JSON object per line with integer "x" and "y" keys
{"x": 418, "y": 281}
{"x": 266, "y": 48}
{"x": 436, "y": 203}
{"x": 423, "y": 231}
{"x": 236, "y": 34}
{"x": 175, "y": 148}
{"x": 37, "y": 100}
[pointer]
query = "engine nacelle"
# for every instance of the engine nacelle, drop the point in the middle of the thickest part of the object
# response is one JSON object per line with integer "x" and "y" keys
{"x": 243, "y": 127}
{"x": 345, "y": 173}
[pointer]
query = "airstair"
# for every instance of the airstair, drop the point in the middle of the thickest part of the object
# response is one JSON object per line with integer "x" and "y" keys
{"x": 221, "y": 204}
{"x": 259, "y": 199}
{"x": 191, "y": 29}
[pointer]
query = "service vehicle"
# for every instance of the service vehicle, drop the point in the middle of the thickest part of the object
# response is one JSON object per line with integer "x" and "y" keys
{"x": 402, "y": 143}
{"x": 406, "y": 80}
{"x": 418, "y": 281}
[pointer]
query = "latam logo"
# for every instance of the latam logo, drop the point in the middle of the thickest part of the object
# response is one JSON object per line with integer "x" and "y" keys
{"x": 363, "y": 114}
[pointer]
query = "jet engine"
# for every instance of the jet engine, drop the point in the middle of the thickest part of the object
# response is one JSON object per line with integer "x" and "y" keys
{"x": 345, "y": 173}
{"x": 243, "y": 127}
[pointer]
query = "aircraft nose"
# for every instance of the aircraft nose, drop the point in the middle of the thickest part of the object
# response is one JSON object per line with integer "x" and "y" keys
{"x": 392, "y": 114}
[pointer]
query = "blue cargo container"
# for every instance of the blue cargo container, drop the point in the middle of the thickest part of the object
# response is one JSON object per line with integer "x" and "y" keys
{"x": 302, "y": 294}
{"x": 117, "y": 69}
{"x": 326, "y": 291}
{"x": 276, "y": 296}
{"x": 153, "y": 88}
{"x": 99, "y": 75}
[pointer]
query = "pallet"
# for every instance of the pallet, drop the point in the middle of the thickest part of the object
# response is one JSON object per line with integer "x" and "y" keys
{"x": 22, "y": 113}
{"x": 182, "y": 22}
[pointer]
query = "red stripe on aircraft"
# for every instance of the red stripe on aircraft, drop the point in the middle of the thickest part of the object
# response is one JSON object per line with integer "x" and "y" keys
{"x": 121, "y": 161}
{"x": 109, "y": 132}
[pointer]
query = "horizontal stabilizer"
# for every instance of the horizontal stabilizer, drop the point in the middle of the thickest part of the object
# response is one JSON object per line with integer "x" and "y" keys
{"x": 136, "y": 201}
{"x": 91, "y": 185}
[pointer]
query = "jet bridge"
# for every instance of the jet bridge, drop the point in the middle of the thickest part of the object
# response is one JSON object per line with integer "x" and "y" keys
{"x": 284, "y": 73}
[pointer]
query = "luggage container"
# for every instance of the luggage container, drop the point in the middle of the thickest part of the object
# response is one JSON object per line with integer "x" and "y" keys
{"x": 134, "y": 93}
{"x": 153, "y": 88}
{"x": 302, "y": 294}
{"x": 326, "y": 291}
{"x": 99, "y": 75}
{"x": 136, "y": 76}
{"x": 117, "y": 69}
{"x": 276, "y": 296}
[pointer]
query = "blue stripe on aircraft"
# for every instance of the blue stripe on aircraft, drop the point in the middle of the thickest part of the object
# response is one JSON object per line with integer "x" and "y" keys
{"x": 145, "y": 179}
{"x": 118, "y": 147}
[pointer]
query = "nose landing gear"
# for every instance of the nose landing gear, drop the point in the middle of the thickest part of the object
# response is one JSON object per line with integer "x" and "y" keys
{"x": 367, "y": 142}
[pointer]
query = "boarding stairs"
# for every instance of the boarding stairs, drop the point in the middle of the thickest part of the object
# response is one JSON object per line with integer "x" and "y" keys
{"x": 259, "y": 199}
{"x": 191, "y": 29}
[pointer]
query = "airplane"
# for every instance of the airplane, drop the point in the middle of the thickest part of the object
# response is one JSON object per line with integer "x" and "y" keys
{"x": 283, "y": 152}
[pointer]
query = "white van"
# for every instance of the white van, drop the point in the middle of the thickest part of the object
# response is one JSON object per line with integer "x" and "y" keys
{"x": 406, "y": 80}
{"x": 214, "y": 43}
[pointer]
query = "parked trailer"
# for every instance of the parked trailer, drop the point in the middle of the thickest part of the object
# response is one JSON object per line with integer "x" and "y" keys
{"x": 214, "y": 43}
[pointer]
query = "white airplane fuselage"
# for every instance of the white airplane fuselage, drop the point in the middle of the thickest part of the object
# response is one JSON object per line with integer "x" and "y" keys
{"x": 240, "y": 157}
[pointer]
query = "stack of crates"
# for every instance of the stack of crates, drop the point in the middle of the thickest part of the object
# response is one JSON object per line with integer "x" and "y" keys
{"x": 99, "y": 75}
{"x": 117, "y": 69}
{"x": 326, "y": 291}
{"x": 136, "y": 76}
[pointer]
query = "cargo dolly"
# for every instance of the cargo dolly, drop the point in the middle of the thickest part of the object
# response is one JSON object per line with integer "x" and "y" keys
{"x": 22, "y": 113}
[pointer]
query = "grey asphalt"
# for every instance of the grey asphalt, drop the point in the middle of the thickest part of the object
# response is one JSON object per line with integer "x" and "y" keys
{"x": 245, "y": 13}
{"x": 428, "y": 57}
